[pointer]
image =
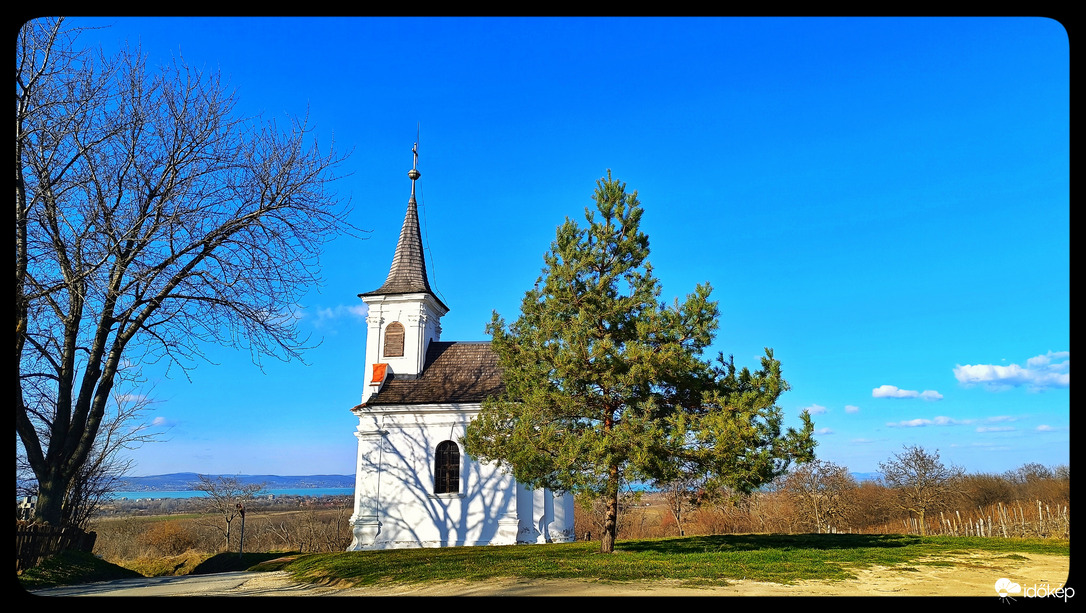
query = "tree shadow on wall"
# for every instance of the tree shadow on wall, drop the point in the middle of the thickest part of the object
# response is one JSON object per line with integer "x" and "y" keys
{"x": 408, "y": 506}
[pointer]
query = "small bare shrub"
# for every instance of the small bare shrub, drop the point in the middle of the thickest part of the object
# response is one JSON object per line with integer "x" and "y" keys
{"x": 168, "y": 538}
{"x": 873, "y": 506}
{"x": 983, "y": 489}
{"x": 120, "y": 539}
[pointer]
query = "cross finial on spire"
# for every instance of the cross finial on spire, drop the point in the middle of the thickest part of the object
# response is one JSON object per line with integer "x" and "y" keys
{"x": 414, "y": 172}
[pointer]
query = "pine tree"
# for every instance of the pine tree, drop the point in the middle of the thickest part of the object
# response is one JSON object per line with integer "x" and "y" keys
{"x": 605, "y": 384}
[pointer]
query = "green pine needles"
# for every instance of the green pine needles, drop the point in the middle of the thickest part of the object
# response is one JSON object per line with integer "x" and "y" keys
{"x": 607, "y": 384}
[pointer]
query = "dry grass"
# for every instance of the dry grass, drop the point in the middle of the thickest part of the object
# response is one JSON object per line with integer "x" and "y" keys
{"x": 170, "y": 545}
{"x": 773, "y": 512}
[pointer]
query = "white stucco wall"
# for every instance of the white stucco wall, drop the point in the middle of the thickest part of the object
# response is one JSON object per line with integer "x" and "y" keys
{"x": 395, "y": 504}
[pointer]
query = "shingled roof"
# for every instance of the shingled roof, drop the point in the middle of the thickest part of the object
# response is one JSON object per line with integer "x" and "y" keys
{"x": 455, "y": 372}
{"x": 408, "y": 272}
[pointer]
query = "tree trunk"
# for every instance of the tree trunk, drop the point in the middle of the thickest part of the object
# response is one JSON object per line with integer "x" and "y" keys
{"x": 610, "y": 526}
{"x": 49, "y": 507}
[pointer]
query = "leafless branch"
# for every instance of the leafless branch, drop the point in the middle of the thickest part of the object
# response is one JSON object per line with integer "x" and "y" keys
{"x": 150, "y": 219}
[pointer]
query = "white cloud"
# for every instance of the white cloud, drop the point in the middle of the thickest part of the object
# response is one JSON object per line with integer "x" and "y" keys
{"x": 941, "y": 420}
{"x": 996, "y": 429}
{"x": 849, "y": 408}
{"x": 328, "y": 314}
{"x": 1045, "y": 428}
{"x": 891, "y": 391}
{"x": 163, "y": 422}
{"x": 823, "y": 431}
{"x": 1044, "y": 361}
{"x": 1052, "y": 369}
{"x": 133, "y": 399}
{"x": 911, "y": 423}
{"x": 815, "y": 409}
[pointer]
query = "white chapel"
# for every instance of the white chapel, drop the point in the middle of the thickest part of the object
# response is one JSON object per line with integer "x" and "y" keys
{"x": 414, "y": 484}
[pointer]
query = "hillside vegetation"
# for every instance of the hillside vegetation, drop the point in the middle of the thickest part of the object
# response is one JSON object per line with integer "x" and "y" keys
{"x": 172, "y": 536}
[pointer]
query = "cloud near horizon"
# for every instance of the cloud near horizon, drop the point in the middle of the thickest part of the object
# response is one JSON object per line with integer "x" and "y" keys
{"x": 942, "y": 420}
{"x": 1052, "y": 369}
{"x": 920, "y": 423}
{"x": 327, "y": 314}
{"x": 983, "y": 429}
{"x": 891, "y": 391}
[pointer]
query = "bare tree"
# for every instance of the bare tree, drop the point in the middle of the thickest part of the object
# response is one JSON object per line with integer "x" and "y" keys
{"x": 1029, "y": 472}
{"x": 921, "y": 482}
{"x": 226, "y": 498}
{"x": 822, "y": 491}
{"x": 150, "y": 219}
{"x": 1062, "y": 472}
{"x": 681, "y": 496}
{"x": 123, "y": 428}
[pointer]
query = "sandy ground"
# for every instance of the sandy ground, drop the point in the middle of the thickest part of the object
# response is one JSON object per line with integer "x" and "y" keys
{"x": 968, "y": 576}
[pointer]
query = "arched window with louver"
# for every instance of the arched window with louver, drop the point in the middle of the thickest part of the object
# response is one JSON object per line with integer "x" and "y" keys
{"x": 447, "y": 468}
{"x": 394, "y": 334}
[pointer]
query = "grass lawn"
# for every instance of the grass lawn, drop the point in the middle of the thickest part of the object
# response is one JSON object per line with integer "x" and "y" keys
{"x": 697, "y": 560}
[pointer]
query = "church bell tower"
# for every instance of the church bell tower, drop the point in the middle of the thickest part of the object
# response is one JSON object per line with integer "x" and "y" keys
{"x": 404, "y": 314}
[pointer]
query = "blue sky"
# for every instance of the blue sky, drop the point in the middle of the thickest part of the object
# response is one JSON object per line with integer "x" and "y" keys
{"x": 885, "y": 202}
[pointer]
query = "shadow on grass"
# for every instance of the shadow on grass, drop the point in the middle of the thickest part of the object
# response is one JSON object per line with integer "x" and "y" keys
{"x": 72, "y": 567}
{"x": 226, "y": 562}
{"x": 752, "y": 542}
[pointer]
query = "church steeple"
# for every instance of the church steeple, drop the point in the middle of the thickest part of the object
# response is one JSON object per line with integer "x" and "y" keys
{"x": 407, "y": 274}
{"x": 403, "y": 315}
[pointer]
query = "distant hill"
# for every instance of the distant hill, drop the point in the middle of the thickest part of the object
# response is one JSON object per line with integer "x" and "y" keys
{"x": 183, "y": 482}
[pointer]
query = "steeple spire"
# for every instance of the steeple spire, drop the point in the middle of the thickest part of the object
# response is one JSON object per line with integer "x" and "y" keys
{"x": 407, "y": 274}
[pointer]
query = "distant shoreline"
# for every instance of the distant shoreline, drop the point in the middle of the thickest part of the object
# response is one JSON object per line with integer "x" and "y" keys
{"x": 180, "y": 485}
{"x": 294, "y": 491}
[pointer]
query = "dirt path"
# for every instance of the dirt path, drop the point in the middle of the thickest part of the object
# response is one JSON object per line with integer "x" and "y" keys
{"x": 966, "y": 576}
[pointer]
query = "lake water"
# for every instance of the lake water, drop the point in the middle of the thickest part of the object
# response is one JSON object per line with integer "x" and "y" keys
{"x": 299, "y": 491}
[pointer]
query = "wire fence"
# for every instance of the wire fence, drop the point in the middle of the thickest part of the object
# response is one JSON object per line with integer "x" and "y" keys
{"x": 1014, "y": 520}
